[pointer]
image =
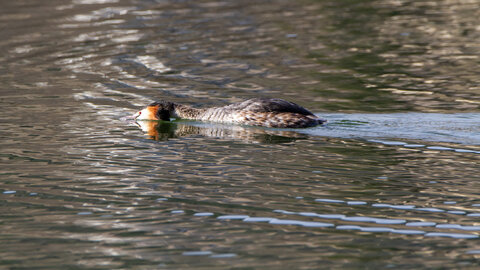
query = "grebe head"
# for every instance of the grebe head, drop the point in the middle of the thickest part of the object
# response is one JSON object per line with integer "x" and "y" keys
{"x": 161, "y": 110}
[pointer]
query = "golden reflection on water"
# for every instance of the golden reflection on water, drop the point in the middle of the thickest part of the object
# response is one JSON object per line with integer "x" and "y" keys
{"x": 438, "y": 47}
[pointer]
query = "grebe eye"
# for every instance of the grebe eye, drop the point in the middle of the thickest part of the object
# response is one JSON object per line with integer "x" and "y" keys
{"x": 140, "y": 112}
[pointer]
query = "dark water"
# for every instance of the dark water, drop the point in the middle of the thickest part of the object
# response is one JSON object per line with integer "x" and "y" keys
{"x": 390, "y": 182}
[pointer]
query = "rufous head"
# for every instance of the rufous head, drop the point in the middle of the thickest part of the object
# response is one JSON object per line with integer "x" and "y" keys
{"x": 160, "y": 110}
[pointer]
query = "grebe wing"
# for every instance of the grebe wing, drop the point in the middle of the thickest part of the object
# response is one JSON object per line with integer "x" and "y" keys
{"x": 269, "y": 105}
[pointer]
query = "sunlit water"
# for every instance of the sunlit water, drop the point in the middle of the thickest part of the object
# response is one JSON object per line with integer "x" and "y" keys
{"x": 390, "y": 182}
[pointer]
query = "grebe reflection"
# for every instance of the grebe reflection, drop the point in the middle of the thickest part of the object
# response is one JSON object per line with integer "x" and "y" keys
{"x": 161, "y": 130}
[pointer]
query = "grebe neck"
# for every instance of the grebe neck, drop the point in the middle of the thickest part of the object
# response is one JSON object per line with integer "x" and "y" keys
{"x": 186, "y": 112}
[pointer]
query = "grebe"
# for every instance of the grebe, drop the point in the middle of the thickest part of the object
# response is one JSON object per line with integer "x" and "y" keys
{"x": 267, "y": 112}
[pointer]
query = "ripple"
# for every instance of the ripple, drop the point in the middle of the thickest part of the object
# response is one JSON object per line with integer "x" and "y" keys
{"x": 93, "y": 2}
{"x": 440, "y": 148}
{"x": 313, "y": 224}
{"x": 102, "y": 13}
{"x": 283, "y": 212}
{"x": 421, "y": 224}
{"x": 152, "y": 63}
{"x": 329, "y": 201}
{"x": 223, "y": 255}
{"x": 375, "y": 220}
{"x": 203, "y": 214}
{"x": 408, "y": 231}
{"x": 197, "y": 253}
{"x": 452, "y": 235}
{"x": 299, "y": 223}
{"x": 258, "y": 219}
{"x": 449, "y": 202}
{"x": 457, "y": 212}
{"x": 448, "y": 128}
{"x": 356, "y": 203}
{"x": 331, "y": 216}
{"x": 348, "y": 227}
{"x": 458, "y": 227}
{"x": 376, "y": 229}
{"x": 430, "y": 209}
{"x": 414, "y": 145}
{"x": 232, "y": 217}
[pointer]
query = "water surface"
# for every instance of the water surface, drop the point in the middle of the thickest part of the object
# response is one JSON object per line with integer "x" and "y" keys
{"x": 390, "y": 182}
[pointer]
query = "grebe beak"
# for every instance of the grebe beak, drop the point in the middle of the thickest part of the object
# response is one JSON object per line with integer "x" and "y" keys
{"x": 136, "y": 115}
{"x": 131, "y": 117}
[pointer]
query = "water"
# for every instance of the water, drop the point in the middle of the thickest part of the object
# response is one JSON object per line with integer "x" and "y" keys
{"x": 390, "y": 182}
